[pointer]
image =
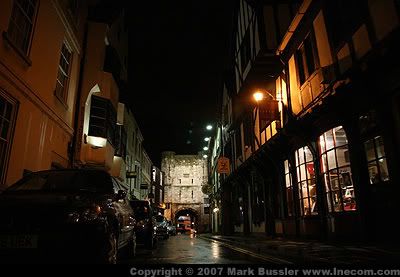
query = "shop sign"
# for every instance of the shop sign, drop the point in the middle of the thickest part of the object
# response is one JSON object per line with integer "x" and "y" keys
{"x": 223, "y": 165}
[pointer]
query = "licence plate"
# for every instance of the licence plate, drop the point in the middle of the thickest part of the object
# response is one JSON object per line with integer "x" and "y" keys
{"x": 18, "y": 241}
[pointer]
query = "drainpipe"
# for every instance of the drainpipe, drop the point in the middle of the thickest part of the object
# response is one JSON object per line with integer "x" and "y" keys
{"x": 78, "y": 98}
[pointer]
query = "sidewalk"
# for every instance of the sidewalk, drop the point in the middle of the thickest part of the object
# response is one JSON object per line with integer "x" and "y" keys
{"x": 315, "y": 252}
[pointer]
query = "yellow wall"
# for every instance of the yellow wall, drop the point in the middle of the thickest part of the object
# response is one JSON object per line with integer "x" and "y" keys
{"x": 44, "y": 125}
{"x": 294, "y": 87}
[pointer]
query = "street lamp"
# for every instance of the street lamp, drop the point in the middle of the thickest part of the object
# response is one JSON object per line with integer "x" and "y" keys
{"x": 209, "y": 127}
{"x": 206, "y": 139}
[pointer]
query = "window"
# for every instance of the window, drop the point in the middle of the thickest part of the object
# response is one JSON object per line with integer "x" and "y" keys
{"x": 186, "y": 175}
{"x": 245, "y": 51}
{"x": 120, "y": 141}
{"x": 6, "y": 126}
{"x": 102, "y": 119}
{"x": 306, "y": 181}
{"x": 306, "y": 59}
{"x": 192, "y": 181}
{"x": 21, "y": 24}
{"x": 207, "y": 200}
{"x": 289, "y": 189}
{"x": 180, "y": 181}
{"x": 73, "y": 8}
{"x": 206, "y": 210}
{"x": 377, "y": 166}
{"x": 63, "y": 73}
{"x": 335, "y": 164}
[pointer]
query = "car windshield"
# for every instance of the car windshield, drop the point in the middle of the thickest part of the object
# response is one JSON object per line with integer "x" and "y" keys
{"x": 64, "y": 181}
{"x": 141, "y": 209}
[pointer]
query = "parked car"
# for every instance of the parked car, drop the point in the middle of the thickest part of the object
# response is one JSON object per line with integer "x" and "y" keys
{"x": 171, "y": 228}
{"x": 161, "y": 228}
{"x": 145, "y": 223}
{"x": 80, "y": 215}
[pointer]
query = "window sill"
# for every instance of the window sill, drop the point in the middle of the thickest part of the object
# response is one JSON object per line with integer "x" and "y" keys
{"x": 16, "y": 49}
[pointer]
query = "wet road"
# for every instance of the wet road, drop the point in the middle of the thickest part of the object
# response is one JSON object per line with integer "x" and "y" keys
{"x": 187, "y": 249}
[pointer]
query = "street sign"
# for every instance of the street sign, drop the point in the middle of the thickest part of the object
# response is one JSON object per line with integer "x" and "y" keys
{"x": 223, "y": 165}
{"x": 131, "y": 174}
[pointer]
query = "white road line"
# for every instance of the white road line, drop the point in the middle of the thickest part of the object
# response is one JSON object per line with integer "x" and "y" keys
{"x": 247, "y": 252}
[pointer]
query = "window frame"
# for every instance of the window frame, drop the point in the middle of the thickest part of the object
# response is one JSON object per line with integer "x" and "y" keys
{"x": 63, "y": 95}
{"x": 5, "y": 155}
{"x": 376, "y": 159}
{"x": 108, "y": 118}
{"x": 301, "y": 165}
{"x": 289, "y": 187}
{"x": 306, "y": 53}
{"x": 339, "y": 177}
{"x": 10, "y": 34}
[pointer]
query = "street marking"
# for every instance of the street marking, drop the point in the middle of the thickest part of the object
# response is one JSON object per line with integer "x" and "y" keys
{"x": 244, "y": 251}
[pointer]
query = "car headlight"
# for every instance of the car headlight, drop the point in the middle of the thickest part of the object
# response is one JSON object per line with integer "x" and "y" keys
{"x": 87, "y": 215}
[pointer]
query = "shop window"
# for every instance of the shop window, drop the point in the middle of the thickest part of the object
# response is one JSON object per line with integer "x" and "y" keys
{"x": 377, "y": 165}
{"x": 64, "y": 67}
{"x": 21, "y": 23}
{"x": 289, "y": 190}
{"x": 335, "y": 163}
{"x": 306, "y": 182}
{"x": 6, "y": 126}
{"x": 102, "y": 121}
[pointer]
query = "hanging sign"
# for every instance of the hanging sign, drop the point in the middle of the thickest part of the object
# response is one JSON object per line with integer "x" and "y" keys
{"x": 223, "y": 165}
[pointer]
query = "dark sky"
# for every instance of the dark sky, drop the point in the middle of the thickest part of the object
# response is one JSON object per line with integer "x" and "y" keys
{"x": 177, "y": 52}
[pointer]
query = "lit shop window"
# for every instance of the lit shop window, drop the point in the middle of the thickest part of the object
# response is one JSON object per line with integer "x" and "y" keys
{"x": 377, "y": 166}
{"x": 306, "y": 181}
{"x": 289, "y": 189}
{"x": 336, "y": 169}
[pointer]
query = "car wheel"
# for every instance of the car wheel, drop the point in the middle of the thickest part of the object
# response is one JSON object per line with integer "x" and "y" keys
{"x": 110, "y": 251}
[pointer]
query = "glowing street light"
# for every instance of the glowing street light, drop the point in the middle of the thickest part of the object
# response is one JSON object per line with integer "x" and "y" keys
{"x": 209, "y": 127}
{"x": 207, "y": 139}
{"x": 205, "y": 156}
{"x": 205, "y": 148}
{"x": 258, "y": 96}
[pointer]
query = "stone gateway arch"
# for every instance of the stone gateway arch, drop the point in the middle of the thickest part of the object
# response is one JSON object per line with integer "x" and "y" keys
{"x": 184, "y": 177}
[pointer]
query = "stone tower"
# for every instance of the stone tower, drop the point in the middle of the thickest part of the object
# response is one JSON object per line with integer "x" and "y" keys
{"x": 184, "y": 176}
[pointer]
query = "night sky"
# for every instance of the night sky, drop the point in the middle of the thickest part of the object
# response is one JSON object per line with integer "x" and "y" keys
{"x": 177, "y": 52}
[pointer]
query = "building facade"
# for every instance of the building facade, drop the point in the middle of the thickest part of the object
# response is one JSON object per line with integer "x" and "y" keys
{"x": 63, "y": 91}
{"x": 184, "y": 177}
{"x": 40, "y": 56}
{"x": 157, "y": 189}
{"x": 318, "y": 154}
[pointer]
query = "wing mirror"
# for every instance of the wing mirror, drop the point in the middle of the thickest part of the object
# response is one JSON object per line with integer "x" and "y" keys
{"x": 121, "y": 194}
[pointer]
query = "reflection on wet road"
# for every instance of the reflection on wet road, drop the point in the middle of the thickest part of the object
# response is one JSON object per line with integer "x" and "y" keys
{"x": 188, "y": 249}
